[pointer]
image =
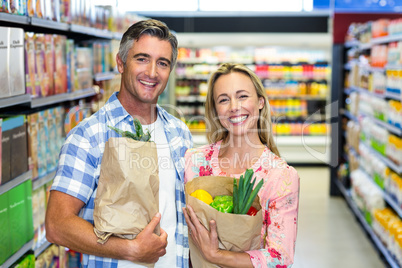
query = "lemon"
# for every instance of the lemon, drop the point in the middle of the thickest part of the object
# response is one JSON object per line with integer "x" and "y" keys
{"x": 203, "y": 196}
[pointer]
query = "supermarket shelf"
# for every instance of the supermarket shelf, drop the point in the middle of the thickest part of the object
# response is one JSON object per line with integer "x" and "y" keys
{"x": 294, "y": 149}
{"x": 385, "y": 195}
{"x": 83, "y": 93}
{"x": 16, "y": 100}
{"x": 14, "y": 18}
{"x": 117, "y": 36}
{"x": 91, "y": 31}
{"x": 213, "y": 60}
{"x": 43, "y": 23}
{"x": 346, "y": 193}
{"x": 191, "y": 98}
{"x": 347, "y": 91}
{"x": 104, "y": 76}
{"x": 388, "y": 95}
{"x": 59, "y": 98}
{"x": 302, "y": 97}
{"x": 43, "y": 180}
{"x": 365, "y": 46}
{"x": 280, "y": 140}
{"x": 43, "y": 246}
{"x": 353, "y": 151}
{"x": 18, "y": 254}
{"x": 394, "y": 129}
{"x": 377, "y": 69}
{"x": 393, "y": 67}
{"x": 385, "y": 160}
{"x": 365, "y": 91}
{"x": 369, "y": 68}
{"x": 306, "y": 119}
{"x": 193, "y": 77}
{"x": 206, "y": 77}
{"x": 393, "y": 96}
{"x": 349, "y": 115}
{"x": 374, "y": 41}
{"x": 297, "y": 140}
{"x": 49, "y": 24}
{"x": 386, "y": 39}
{"x": 15, "y": 182}
{"x": 295, "y": 78}
{"x": 353, "y": 43}
{"x": 39, "y": 102}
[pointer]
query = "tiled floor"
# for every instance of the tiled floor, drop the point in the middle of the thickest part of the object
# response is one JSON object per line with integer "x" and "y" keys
{"x": 329, "y": 235}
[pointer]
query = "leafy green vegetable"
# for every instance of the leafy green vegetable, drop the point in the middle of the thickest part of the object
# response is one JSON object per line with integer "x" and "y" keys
{"x": 243, "y": 193}
{"x": 139, "y": 134}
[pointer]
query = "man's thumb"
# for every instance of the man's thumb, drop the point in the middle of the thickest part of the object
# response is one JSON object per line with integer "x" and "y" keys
{"x": 154, "y": 222}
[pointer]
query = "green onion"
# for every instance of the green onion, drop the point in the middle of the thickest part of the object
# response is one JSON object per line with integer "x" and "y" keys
{"x": 243, "y": 193}
{"x": 235, "y": 194}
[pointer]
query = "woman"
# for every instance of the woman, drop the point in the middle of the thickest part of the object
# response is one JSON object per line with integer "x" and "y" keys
{"x": 238, "y": 112}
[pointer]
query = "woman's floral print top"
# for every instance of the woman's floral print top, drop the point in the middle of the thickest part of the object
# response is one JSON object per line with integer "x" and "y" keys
{"x": 279, "y": 198}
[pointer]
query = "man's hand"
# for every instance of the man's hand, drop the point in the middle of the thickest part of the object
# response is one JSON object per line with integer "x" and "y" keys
{"x": 150, "y": 247}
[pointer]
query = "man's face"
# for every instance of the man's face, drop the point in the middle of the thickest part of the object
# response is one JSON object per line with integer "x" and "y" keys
{"x": 147, "y": 69}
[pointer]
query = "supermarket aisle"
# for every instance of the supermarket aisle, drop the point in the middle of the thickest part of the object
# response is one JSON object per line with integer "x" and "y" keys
{"x": 328, "y": 234}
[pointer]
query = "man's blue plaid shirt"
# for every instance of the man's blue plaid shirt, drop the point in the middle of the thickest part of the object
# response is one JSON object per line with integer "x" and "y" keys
{"x": 80, "y": 160}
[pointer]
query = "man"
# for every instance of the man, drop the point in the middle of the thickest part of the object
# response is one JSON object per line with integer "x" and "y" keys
{"x": 147, "y": 55}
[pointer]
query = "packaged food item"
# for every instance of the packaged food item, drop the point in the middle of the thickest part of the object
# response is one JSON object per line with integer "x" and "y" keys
{"x": 5, "y": 230}
{"x": 42, "y": 143}
{"x": 52, "y": 142}
{"x": 33, "y": 144}
{"x": 60, "y": 70}
{"x": 31, "y": 7}
{"x": 31, "y": 80}
{"x": 49, "y": 61}
{"x": 39, "y": 8}
{"x": 84, "y": 67}
{"x": 42, "y": 75}
{"x": 4, "y": 72}
{"x": 70, "y": 62}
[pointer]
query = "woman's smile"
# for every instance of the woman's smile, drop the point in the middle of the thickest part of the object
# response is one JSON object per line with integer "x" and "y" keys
{"x": 237, "y": 119}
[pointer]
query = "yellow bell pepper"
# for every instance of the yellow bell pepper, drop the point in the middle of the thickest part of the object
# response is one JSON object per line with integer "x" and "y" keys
{"x": 203, "y": 196}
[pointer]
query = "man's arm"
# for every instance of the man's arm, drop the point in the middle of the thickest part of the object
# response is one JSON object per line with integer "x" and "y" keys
{"x": 64, "y": 227}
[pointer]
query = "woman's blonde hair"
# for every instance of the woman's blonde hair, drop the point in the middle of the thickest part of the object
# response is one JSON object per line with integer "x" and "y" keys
{"x": 216, "y": 131}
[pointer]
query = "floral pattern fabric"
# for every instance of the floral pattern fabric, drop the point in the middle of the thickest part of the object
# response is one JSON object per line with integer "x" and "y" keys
{"x": 279, "y": 199}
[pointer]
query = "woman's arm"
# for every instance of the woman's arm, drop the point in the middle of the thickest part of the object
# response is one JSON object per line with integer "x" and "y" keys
{"x": 207, "y": 242}
{"x": 280, "y": 219}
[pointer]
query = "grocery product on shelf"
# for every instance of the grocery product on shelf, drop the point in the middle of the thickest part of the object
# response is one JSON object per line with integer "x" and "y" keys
{"x": 12, "y": 70}
{"x": 16, "y": 62}
{"x": 14, "y": 148}
{"x": 372, "y": 115}
{"x": 388, "y": 226}
{"x": 366, "y": 195}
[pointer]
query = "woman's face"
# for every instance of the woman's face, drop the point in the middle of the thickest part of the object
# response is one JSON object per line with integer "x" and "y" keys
{"x": 237, "y": 104}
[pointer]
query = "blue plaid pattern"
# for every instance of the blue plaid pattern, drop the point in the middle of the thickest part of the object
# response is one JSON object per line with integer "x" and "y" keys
{"x": 80, "y": 160}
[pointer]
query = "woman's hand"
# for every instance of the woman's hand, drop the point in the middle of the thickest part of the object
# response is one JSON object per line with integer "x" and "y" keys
{"x": 208, "y": 244}
{"x": 206, "y": 241}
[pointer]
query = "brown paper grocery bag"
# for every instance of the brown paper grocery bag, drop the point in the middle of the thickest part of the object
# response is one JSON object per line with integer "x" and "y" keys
{"x": 127, "y": 197}
{"x": 235, "y": 232}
